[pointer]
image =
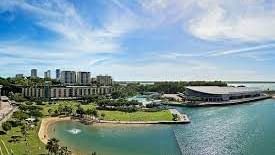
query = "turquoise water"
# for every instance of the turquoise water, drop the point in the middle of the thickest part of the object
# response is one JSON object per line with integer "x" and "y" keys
{"x": 117, "y": 140}
{"x": 246, "y": 129}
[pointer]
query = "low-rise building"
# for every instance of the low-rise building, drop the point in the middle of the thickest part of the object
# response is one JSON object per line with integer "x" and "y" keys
{"x": 65, "y": 92}
{"x": 19, "y": 75}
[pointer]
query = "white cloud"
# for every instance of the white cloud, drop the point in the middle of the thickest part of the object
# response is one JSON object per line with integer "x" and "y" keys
{"x": 240, "y": 50}
{"x": 241, "y": 20}
{"x": 75, "y": 34}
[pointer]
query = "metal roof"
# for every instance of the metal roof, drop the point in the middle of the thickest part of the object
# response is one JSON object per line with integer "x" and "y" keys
{"x": 223, "y": 90}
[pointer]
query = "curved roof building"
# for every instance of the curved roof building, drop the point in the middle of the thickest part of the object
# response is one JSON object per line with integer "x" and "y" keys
{"x": 218, "y": 94}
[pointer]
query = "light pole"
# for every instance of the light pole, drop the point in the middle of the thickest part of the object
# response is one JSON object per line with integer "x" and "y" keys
{"x": 0, "y": 90}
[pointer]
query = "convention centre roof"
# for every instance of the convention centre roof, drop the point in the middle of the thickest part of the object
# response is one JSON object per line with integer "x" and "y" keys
{"x": 223, "y": 90}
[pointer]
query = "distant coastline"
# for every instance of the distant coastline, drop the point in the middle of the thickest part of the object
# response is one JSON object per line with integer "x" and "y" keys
{"x": 195, "y": 80}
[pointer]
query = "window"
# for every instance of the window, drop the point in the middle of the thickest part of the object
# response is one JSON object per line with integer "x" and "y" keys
{"x": 54, "y": 92}
{"x": 59, "y": 92}
{"x": 65, "y": 92}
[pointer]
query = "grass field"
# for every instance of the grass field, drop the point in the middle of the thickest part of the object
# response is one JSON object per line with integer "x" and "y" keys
{"x": 164, "y": 115}
{"x": 73, "y": 104}
{"x": 35, "y": 146}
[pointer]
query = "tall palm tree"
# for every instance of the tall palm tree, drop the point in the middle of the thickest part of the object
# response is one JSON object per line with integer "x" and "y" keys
{"x": 52, "y": 146}
{"x": 24, "y": 131}
{"x": 64, "y": 151}
{"x": 49, "y": 146}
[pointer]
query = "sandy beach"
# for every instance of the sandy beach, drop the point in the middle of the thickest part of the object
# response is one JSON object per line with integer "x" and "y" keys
{"x": 43, "y": 133}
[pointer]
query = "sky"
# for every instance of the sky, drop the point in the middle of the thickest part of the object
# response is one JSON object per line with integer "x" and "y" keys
{"x": 152, "y": 40}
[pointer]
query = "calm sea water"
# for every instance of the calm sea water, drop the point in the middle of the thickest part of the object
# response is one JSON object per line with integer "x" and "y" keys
{"x": 117, "y": 140}
{"x": 263, "y": 86}
{"x": 246, "y": 129}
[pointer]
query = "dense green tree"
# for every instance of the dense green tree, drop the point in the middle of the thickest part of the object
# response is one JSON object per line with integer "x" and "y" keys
{"x": 6, "y": 126}
{"x": 80, "y": 111}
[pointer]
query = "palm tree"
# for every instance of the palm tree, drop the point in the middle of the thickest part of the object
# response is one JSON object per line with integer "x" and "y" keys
{"x": 64, "y": 151}
{"x": 52, "y": 146}
{"x": 24, "y": 131}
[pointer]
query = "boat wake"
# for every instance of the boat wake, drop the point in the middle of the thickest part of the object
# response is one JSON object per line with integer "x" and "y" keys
{"x": 74, "y": 131}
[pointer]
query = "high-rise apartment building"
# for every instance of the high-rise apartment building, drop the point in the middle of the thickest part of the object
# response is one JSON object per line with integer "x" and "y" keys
{"x": 84, "y": 78}
{"x": 104, "y": 80}
{"x": 34, "y": 73}
{"x": 47, "y": 74}
{"x": 58, "y": 74}
{"x": 68, "y": 77}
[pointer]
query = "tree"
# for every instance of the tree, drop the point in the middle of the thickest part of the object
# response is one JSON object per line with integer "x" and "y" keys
{"x": 50, "y": 111}
{"x": 64, "y": 151}
{"x": 15, "y": 138}
{"x": 52, "y": 146}
{"x": 19, "y": 115}
{"x": 91, "y": 112}
{"x": 6, "y": 126}
{"x": 102, "y": 115}
{"x": 18, "y": 97}
{"x": 80, "y": 111}
{"x": 24, "y": 131}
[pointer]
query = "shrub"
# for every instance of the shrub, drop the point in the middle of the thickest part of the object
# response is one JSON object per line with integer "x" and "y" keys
{"x": 6, "y": 126}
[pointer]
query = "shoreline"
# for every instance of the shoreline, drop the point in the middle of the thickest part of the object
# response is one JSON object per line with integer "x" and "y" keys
{"x": 43, "y": 132}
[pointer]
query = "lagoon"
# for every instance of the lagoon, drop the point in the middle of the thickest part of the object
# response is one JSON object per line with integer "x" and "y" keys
{"x": 238, "y": 129}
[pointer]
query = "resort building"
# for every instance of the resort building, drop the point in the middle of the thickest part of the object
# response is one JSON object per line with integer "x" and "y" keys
{"x": 68, "y": 77}
{"x": 104, "y": 80}
{"x": 84, "y": 78}
{"x": 220, "y": 94}
{"x": 65, "y": 92}
{"x": 34, "y": 73}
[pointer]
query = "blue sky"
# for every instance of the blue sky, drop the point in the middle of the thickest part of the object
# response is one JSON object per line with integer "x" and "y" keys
{"x": 140, "y": 39}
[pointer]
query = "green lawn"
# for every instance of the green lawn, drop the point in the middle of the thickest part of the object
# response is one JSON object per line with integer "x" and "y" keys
{"x": 35, "y": 146}
{"x": 73, "y": 104}
{"x": 164, "y": 115}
